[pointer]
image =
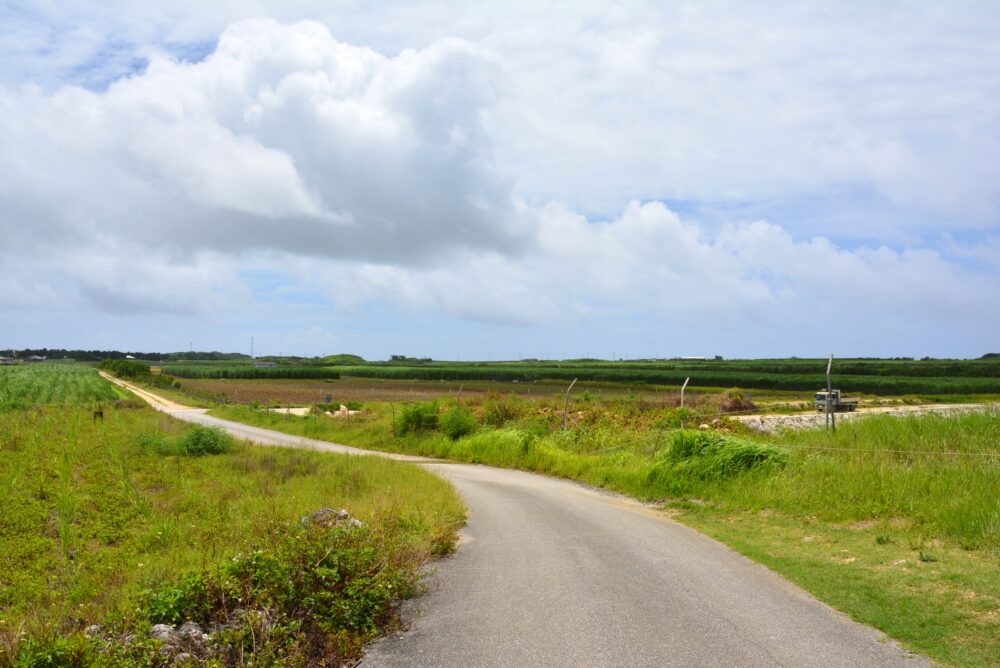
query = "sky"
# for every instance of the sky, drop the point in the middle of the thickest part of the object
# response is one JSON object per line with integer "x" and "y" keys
{"x": 466, "y": 180}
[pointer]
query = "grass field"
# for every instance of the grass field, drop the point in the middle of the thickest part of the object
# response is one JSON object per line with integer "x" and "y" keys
{"x": 115, "y": 522}
{"x": 23, "y": 385}
{"x": 878, "y": 519}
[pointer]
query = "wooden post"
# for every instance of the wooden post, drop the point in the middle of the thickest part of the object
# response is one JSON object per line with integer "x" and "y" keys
{"x": 829, "y": 396}
{"x": 566, "y": 404}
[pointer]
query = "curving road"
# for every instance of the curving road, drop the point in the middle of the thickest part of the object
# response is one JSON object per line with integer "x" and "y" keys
{"x": 552, "y": 573}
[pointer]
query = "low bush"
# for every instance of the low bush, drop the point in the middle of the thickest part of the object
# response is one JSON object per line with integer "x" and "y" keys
{"x": 419, "y": 417}
{"x": 317, "y": 595}
{"x": 205, "y": 441}
{"x": 458, "y": 422}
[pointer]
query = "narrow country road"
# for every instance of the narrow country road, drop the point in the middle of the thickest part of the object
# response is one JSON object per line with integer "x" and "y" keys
{"x": 553, "y": 573}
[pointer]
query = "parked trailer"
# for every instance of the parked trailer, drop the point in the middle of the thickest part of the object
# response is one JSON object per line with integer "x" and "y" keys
{"x": 840, "y": 404}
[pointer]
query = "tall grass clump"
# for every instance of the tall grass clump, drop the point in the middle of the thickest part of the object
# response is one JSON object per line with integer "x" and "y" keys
{"x": 709, "y": 455}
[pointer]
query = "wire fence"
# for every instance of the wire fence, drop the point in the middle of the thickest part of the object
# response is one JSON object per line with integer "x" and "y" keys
{"x": 989, "y": 408}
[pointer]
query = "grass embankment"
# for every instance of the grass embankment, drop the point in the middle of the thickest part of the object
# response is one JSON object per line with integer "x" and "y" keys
{"x": 119, "y": 523}
{"x": 875, "y": 520}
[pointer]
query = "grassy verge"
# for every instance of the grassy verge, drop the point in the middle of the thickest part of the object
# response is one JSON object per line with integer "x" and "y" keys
{"x": 119, "y": 523}
{"x": 873, "y": 520}
{"x": 938, "y": 598}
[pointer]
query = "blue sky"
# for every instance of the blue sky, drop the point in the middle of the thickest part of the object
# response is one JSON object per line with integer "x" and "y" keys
{"x": 473, "y": 181}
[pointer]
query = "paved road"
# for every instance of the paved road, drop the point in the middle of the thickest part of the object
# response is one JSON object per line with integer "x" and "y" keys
{"x": 552, "y": 573}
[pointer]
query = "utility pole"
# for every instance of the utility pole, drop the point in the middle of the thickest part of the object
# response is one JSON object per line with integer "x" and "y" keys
{"x": 251, "y": 348}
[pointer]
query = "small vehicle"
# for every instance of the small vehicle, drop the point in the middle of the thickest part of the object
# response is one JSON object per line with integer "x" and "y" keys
{"x": 840, "y": 404}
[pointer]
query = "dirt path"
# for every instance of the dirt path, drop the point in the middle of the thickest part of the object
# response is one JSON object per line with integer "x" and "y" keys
{"x": 772, "y": 423}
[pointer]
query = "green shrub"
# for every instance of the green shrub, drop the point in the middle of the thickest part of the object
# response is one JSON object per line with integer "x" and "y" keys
{"x": 177, "y": 602}
{"x": 314, "y": 591}
{"x": 52, "y": 651}
{"x": 418, "y": 417}
{"x": 205, "y": 441}
{"x": 458, "y": 422}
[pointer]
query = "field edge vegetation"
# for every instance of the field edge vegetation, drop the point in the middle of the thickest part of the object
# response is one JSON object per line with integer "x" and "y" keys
{"x": 113, "y": 525}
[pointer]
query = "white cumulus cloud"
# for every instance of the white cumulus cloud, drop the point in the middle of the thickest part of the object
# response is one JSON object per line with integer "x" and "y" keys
{"x": 513, "y": 175}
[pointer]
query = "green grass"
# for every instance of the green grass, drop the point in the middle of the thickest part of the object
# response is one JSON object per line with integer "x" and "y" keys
{"x": 936, "y": 597}
{"x": 23, "y": 385}
{"x": 879, "y": 477}
{"x": 97, "y": 514}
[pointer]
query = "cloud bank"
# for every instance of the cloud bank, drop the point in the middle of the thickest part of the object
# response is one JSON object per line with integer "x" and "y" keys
{"x": 408, "y": 180}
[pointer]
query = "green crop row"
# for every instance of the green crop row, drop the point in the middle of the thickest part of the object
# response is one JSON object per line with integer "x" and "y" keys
{"x": 848, "y": 367}
{"x": 32, "y": 384}
{"x": 249, "y": 372}
{"x": 701, "y": 378}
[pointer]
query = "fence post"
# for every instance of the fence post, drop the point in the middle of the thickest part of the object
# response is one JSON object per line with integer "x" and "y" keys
{"x": 393, "y": 408}
{"x": 458, "y": 397}
{"x": 566, "y": 404}
{"x": 683, "y": 387}
{"x": 829, "y": 396}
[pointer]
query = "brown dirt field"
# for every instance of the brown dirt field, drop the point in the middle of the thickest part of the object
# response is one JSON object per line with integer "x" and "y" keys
{"x": 367, "y": 389}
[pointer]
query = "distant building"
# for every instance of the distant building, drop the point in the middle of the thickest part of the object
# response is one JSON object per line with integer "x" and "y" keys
{"x": 5, "y": 360}
{"x": 36, "y": 358}
{"x": 130, "y": 357}
{"x": 265, "y": 365}
{"x": 693, "y": 358}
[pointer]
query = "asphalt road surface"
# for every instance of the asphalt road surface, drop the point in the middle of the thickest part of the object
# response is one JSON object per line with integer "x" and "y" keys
{"x": 553, "y": 573}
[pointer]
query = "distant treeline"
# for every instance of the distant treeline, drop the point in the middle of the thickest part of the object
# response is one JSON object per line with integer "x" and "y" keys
{"x": 99, "y": 355}
{"x": 702, "y": 375}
